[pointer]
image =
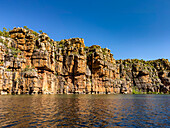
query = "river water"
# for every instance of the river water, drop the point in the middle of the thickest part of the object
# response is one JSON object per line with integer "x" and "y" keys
{"x": 85, "y": 111}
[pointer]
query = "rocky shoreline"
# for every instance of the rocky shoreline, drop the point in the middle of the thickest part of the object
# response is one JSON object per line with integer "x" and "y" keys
{"x": 32, "y": 63}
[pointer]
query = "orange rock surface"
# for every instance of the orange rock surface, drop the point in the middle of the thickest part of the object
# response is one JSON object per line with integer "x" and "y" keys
{"x": 32, "y": 63}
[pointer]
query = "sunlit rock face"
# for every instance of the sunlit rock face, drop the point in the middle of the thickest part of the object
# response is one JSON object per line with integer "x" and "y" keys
{"x": 32, "y": 63}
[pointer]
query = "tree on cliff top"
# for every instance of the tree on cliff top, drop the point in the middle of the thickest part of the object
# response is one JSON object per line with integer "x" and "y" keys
{"x": 40, "y": 31}
{"x": 26, "y": 27}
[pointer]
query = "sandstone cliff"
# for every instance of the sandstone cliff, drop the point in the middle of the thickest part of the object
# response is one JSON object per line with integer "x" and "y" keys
{"x": 31, "y": 63}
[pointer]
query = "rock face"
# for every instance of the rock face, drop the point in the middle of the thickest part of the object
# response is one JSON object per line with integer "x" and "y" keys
{"x": 33, "y": 63}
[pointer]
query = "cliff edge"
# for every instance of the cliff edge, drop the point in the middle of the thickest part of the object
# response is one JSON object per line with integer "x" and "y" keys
{"x": 31, "y": 63}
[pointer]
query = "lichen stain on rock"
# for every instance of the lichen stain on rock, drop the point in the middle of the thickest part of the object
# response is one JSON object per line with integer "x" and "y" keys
{"x": 32, "y": 63}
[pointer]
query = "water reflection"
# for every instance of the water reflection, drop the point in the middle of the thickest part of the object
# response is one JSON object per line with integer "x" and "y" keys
{"x": 85, "y": 110}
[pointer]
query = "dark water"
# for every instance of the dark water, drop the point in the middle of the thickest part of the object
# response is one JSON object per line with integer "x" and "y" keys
{"x": 85, "y": 111}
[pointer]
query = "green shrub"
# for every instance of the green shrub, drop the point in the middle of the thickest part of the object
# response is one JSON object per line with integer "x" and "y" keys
{"x": 60, "y": 46}
{"x": 35, "y": 33}
{"x": 75, "y": 53}
{"x": 15, "y": 51}
{"x": 51, "y": 43}
{"x": 155, "y": 93}
{"x": 62, "y": 42}
{"x": 1, "y": 33}
{"x": 8, "y": 70}
{"x": 5, "y": 43}
{"x": 4, "y": 33}
{"x": 90, "y": 53}
{"x": 35, "y": 47}
{"x": 136, "y": 91}
{"x": 104, "y": 53}
{"x": 94, "y": 47}
{"x": 86, "y": 48}
{"x": 15, "y": 56}
{"x": 40, "y": 31}
{"x": 1, "y": 62}
{"x": 1, "y": 40}
{"x": 25, "y": 27}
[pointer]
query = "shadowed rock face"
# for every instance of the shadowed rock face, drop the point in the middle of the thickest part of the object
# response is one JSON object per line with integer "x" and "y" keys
{"x": 34, "y": 63}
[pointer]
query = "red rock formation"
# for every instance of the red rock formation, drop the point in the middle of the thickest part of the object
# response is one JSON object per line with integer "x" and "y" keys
{"x": 33, "y": 63}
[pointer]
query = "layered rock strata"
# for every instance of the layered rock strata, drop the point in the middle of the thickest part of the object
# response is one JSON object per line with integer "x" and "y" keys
{"x": 32, "y": 63}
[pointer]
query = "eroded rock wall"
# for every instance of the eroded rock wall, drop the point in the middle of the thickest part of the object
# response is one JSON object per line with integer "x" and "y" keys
{"x": 33, "y": 63}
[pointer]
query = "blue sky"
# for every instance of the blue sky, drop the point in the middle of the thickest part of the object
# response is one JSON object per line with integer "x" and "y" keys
{"x": 130, "y": 28}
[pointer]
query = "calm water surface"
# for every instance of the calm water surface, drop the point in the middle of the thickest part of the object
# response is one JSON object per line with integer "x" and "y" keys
{"x": 85, "y": 111}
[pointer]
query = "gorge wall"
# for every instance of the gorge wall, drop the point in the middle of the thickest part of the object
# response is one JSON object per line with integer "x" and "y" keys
{"x": 31, "y": 63}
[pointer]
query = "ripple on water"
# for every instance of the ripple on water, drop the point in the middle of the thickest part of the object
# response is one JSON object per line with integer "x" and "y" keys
{"x": 85, "y": 111}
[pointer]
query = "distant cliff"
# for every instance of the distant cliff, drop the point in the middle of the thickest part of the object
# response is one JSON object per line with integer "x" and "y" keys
{"x": 31, "y": 62}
